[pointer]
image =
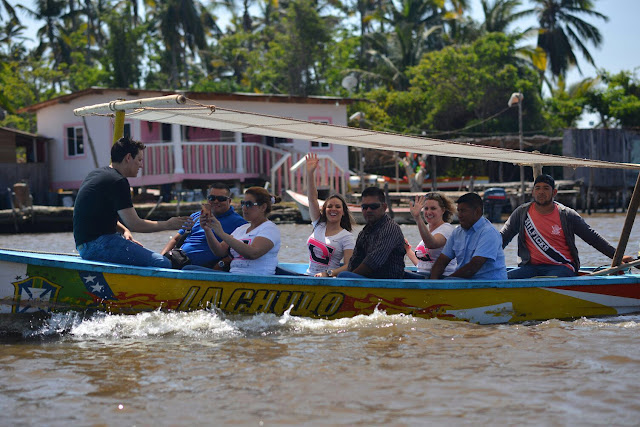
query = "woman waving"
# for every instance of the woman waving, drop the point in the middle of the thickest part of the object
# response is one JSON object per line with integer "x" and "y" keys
{"x": 438, "y": 211}
{"x": 331, "y": 240}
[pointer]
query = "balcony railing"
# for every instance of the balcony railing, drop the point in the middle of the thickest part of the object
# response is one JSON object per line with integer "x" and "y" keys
{"x": 172, "y": 162}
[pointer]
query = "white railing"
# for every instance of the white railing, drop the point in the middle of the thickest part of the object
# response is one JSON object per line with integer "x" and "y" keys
{"x": 329, "y": 175}
{"x": 202, "y": 160}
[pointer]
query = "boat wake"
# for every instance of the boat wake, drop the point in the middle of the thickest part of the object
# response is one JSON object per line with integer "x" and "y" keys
{"x": 201, "y": 324}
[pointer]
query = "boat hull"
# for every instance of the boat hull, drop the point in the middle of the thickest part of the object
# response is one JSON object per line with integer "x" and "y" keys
{"x": 48, "y": 283}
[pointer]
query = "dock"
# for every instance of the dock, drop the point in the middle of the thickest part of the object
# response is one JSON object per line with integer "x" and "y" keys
{"x": 52, "y": 219}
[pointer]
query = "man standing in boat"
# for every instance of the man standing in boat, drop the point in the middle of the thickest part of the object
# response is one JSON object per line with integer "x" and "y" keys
{"x": 546, "y": 233}
{"x": 195, "y": 245}
{"x": 379, "y": 251}
{"x": 475, "y": 245}
{"x": 104, "y": 198}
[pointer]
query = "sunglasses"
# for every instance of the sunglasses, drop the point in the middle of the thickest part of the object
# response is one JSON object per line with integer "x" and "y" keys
{"x": 372, "y": 206}
{"x": 218, "y": 198}
{"x": 247, "y": 204}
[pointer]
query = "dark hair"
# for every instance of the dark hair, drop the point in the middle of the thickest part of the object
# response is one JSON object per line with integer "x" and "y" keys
{"x": 547, "y": 179}
{"x": 471, "y": 199}
{"x": 444, "y": 202}
{"x": 346, "y": 221}
{"x": 220, "y": 186}
{"x": 124, "y": 146}
{"x": 263, "y": 197}
{"x": 374, "y": 192}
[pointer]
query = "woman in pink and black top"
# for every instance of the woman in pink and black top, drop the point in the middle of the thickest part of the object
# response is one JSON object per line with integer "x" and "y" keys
{"x": 331, "y": 241}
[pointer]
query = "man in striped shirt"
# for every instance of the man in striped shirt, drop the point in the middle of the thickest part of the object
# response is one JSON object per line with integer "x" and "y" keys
{"x": 379, "y": 251}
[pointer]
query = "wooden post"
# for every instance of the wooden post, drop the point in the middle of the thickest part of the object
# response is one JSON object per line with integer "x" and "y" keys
{"x": 628, "y": 224}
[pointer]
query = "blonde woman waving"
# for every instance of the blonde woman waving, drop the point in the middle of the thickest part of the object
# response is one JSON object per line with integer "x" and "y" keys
{"x": 438, "y": 212}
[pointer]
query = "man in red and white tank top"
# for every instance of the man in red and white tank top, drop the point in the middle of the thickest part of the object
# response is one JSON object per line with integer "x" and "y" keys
{"x": 546, "y": 235}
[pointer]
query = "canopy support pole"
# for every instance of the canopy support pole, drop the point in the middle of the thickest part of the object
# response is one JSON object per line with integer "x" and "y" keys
{"x": 632, "y": 210}
{"x": 118, "y": 127}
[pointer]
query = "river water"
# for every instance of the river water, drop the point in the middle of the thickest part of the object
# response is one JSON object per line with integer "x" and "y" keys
{"x": 203, "y": 367}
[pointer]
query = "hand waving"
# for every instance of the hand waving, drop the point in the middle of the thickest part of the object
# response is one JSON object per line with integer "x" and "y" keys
{"x": 418, "y": 204}
{"x": 312, "y": 162}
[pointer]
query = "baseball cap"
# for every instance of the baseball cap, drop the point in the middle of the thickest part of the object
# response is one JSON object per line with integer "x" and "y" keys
{"x": 547, "y": 179}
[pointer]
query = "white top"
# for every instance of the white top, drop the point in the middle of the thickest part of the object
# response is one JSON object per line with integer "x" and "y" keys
{"x": 326, "y": 252}
{"x": 268, "y": 262}
{"x": 427, "y": 257}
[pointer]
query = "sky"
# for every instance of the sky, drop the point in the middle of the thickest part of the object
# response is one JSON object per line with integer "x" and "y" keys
{"x": 620, "y": 49}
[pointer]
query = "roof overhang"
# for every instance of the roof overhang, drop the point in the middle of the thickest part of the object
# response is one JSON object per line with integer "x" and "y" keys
{"x": 202, "y": 96}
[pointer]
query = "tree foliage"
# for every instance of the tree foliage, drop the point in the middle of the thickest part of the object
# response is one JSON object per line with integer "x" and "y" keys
{"x": 424, "y": 66}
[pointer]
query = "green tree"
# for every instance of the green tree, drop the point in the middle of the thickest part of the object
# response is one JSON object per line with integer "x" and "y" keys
{"x": 499, "y": 15}
{"x": 562, "y": 31}
{"x": 617, "y": 104}
{"x": 297, "y": 58}
{"x": 180, "y": 24}
{"x": 458, "y": 87}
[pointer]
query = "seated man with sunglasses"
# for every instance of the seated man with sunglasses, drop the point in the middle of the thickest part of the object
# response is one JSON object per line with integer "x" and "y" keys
{"x": 379, "y": 251}
{"x": 195, "y": 245}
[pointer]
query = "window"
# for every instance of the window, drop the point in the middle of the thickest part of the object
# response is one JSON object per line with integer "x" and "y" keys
{"x": 320, "y": 145}
{"x": 316, "y": 144}
{"x": 227, "y": 136}
{"x": 166, "y": 132}
{"x": 75, "y": 141}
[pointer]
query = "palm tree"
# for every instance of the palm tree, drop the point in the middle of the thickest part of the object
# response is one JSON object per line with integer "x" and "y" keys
{"x": 53, "y": 34}
{"x": 413, "y": 22}
{"x": 499, "y": 14}
{"x": 562, "y": 31}
{"x": 9, "y": 10}
{"x": 180, "y": 23}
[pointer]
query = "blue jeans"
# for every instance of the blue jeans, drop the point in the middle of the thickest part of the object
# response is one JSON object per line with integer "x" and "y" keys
{"x": 527, "y": 271}
{"x": 115, "y": 248}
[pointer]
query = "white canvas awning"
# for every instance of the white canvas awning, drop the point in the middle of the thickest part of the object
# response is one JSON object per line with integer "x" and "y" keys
{"x": 177, "y": 109}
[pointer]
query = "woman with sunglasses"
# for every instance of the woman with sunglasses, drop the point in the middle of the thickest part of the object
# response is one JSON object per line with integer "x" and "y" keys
{"x": 438, "y": 212}
{"x": 254, "y": 246}
{"x": 331, "y": 240}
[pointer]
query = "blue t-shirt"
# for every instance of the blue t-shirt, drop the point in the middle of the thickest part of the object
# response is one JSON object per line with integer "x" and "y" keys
{"x": 196, "y": 245}
{"x": 482, "y": 239}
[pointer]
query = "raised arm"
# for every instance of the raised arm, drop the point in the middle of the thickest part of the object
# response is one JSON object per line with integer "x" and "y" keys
{"x": 430, "y": 241}
{"x": 312, "y": 191}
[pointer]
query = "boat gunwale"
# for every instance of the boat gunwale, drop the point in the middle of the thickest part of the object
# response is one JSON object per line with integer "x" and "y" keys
{"x": 74, "y": 262}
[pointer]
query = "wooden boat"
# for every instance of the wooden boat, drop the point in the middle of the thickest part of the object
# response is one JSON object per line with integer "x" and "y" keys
{"x": 401, "y": 215}
{"x": 42, "y": 283}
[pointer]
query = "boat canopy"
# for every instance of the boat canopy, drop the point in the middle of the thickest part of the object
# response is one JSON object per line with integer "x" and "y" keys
{"x": 177, "y": 109}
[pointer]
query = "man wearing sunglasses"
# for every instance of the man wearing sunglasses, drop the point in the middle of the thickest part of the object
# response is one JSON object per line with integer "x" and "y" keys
{"x": 379, "y": 251}
{"x": 195, "y": 245}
